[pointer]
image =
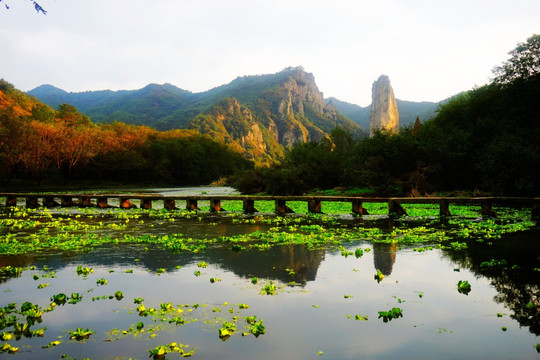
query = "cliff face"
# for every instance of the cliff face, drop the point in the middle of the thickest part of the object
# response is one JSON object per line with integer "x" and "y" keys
{"x": 384, "y": 112}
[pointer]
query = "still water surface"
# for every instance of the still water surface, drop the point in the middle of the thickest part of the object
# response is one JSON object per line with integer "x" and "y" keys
{"x": 312, "y": 314}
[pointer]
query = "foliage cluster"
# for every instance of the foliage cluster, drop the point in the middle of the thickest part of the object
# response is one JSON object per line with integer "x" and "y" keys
{"x": 37, "y": 142}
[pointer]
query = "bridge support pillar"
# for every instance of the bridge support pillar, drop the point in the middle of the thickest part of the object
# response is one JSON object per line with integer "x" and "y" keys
{"x": 444, "y": 208}
{"x": 535, "y": 209}
{"x": 487, "y": 209}
{"x": 103, "y": 202}
{"x": 66, "y": 201}
{"x": 11, "y": 200}
{"x": 169, "y": 204}
{"x": 49, "y": 202}
{"x": 146, "y": 204}
{"x": 395, "y": 209}
{"x": 125, "y": 203}
{"x": 215, "y": 205}
{"x": 314, "y": 206}
{"x": 32, "y": 202}
{"x": 358, "y": 209}
{"x": 191, "y": 205}
{"x": 249, "y": 206}
{"x": 282, "y": 208}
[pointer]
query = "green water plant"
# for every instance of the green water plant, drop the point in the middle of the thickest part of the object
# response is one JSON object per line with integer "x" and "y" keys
{"x": 59, "y": 299}
{"x": 378, "y": 276}
{"x": 80, "y": 334}
{"x": 101, "y": 281}
{"x": 393, "y": 313}
{"x": 463, "y": 287}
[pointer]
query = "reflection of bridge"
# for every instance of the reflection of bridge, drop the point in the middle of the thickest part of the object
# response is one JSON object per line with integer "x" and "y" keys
{"x": 314, "y": 202}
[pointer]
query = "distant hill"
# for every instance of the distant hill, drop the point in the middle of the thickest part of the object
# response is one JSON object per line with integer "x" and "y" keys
{"x": 408, "y": 111}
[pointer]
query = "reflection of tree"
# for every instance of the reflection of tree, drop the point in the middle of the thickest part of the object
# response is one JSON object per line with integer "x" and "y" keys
{"x": 516, "y": 282}
{"x": 271, "y": 263}
{"x": 384, "y": 256}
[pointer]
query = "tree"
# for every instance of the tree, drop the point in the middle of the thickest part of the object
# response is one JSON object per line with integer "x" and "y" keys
{"x": 524, "y": 62}
{"x": 36, "y": 6}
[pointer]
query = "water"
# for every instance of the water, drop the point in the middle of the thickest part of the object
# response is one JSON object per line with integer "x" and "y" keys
{"x": 318, "y": 294}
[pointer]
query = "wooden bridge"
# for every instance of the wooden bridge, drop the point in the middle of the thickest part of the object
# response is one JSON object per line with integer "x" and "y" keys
{"x": 314, "y": 203}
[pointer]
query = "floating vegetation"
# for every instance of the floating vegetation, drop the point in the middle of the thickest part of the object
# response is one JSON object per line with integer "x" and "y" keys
{"x": 393, "y": 313}
{"x": 379, "y": 276}
{"x": 80, "y": 334}
{"x": 463, "y": 287}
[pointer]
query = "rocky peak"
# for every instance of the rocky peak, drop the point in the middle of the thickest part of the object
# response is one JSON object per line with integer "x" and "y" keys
{"x": 384, "y": 112}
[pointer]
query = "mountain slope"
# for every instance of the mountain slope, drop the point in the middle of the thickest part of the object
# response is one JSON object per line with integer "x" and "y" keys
{"x": 259, "y": 114}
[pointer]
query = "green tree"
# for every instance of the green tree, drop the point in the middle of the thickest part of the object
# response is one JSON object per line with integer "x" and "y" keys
{"x": 524, "y": 62}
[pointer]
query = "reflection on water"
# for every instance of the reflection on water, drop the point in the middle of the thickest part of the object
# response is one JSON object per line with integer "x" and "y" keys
{"x": 518, "y": 281}
{"x": 384, "y": 256}
{"x": 309, "y": 312}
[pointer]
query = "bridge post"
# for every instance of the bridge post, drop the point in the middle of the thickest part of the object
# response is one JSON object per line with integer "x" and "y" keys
{"x": 85, "y": 201}
{"x": 32, "y": 201}
{"x": 535, "y": 209}
{"x": 357, "y": 207}
{"x": 49, "y": 202}
{"x": 314, "y": 206}
{"x": 487, "y": 209}
{"x": 11, "y": 200}
{"x": 215, "y": 205}
{"x": 191, "y": 205}
{"x": 249, "y": 206}
{"x": 395, "y": 209}
{"x": 146, "y": 204}
{"x": 444, "y": 208}
{"x": 282, "y": 208}
{"x": 169, "y": 204}
{"x": 103, "y": 202}
{"x": 66, "y": 201}
{"x": 125, "y": 203}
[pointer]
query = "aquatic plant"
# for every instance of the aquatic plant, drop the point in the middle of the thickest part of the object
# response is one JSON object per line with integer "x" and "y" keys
{"x": 378, "y": 276}
{"x": 463, "y": 287}
{"x": 393, "y": 313}
{"x": 80, "y": 334}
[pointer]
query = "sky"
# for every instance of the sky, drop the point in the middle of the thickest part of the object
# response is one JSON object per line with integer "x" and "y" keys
{"x": 430, "y": 49}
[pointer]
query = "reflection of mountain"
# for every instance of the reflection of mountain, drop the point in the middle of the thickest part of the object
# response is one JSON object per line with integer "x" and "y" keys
{"x": 517, "y": 282}
{"x": 271, "y": 263}
{"x": 384, "y": 256}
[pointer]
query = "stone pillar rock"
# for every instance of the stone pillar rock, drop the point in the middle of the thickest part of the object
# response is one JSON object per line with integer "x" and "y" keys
{"x": 384, "y": 112}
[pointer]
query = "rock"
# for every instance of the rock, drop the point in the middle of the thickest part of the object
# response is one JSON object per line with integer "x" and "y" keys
{"x": 384, "y": 112}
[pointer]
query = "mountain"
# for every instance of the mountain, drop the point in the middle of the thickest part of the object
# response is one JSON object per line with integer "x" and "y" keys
{"x": 259, "y": 115}
{"x": 408, "y": 111}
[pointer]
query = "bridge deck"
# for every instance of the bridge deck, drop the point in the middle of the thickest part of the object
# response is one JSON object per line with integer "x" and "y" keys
{"x": 314, "y": 202}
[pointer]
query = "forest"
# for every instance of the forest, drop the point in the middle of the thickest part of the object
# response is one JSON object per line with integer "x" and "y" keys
{"x": 39, "y": 145}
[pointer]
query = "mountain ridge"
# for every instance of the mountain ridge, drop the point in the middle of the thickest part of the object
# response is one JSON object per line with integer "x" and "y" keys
{"x": 273, "y": 111}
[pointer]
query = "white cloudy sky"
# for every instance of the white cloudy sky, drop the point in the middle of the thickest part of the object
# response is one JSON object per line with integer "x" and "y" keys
{"x": 430, "y": 49}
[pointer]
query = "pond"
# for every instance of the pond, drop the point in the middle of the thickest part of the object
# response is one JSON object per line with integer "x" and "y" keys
{"x": 167, "y": 284}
